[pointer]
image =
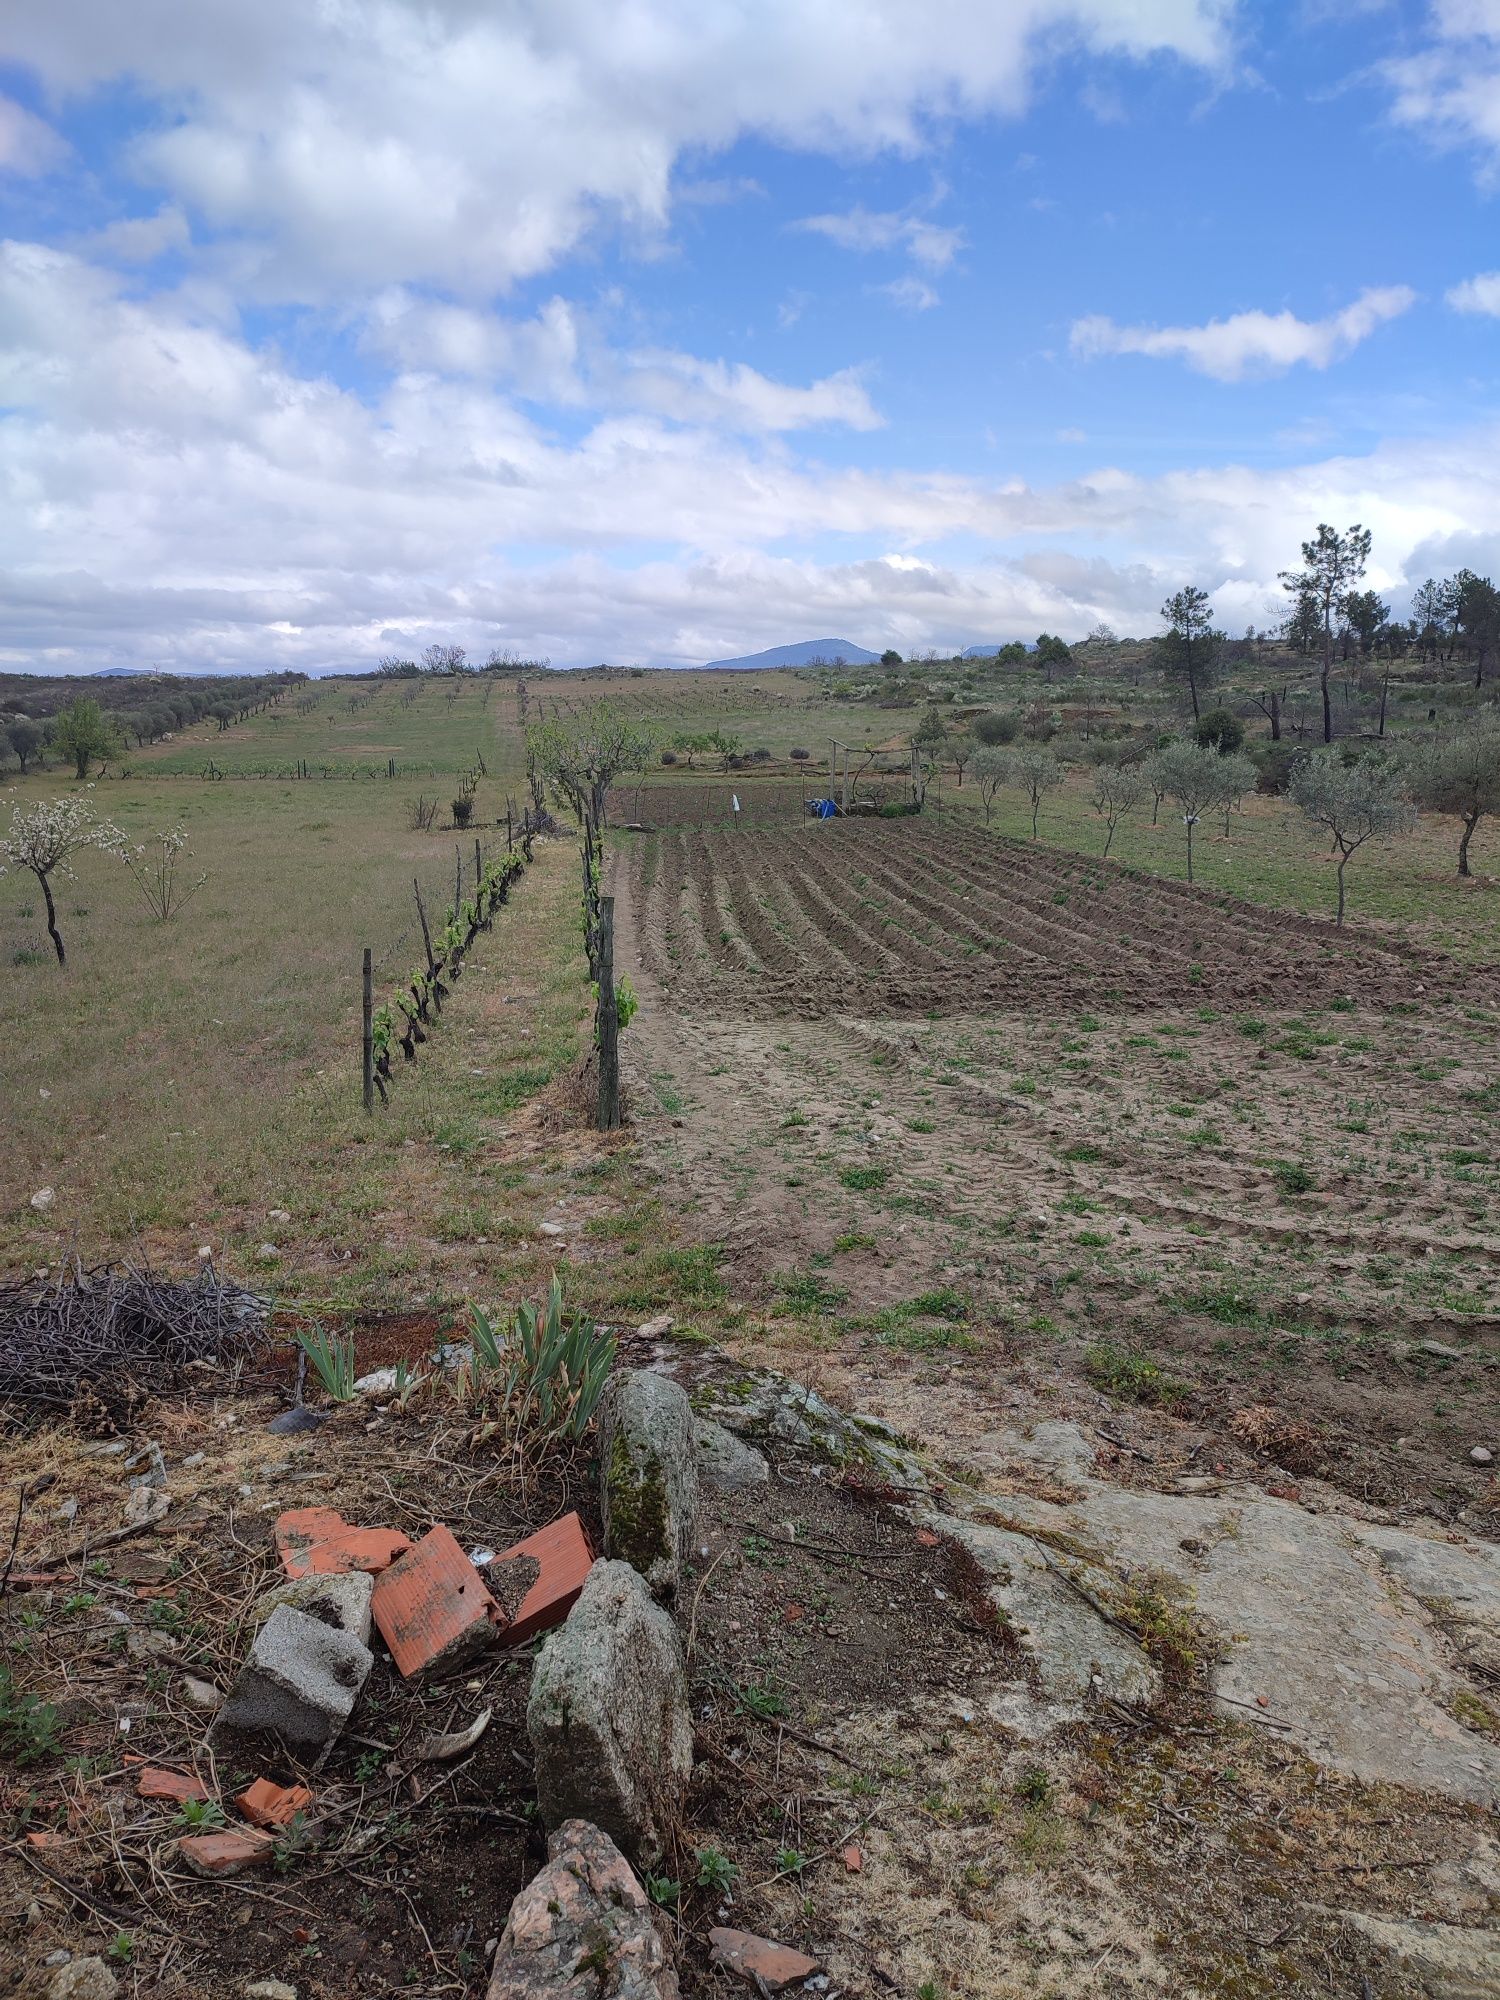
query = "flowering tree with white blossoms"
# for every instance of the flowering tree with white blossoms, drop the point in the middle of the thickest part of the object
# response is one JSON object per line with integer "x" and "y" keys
{"x": 45, "y": 837}
{"x": 153, "y": 869}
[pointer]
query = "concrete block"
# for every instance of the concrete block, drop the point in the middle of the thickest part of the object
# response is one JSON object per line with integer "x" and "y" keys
{"x": 302, "y": 1679}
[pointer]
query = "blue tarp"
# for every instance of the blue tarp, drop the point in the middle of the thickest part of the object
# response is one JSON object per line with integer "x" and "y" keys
{"x": 824, "y": 809}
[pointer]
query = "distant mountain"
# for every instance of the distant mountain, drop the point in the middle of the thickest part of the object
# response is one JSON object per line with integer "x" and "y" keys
{"x": 808, "y": 652}
{"x": 988, "y": 652}
{"x": 118, "y": 673}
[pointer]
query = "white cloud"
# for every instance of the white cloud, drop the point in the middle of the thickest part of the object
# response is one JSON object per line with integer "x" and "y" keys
{"x": 374, "y": 142}
{"x": 1249, "y": 343}
{"x": 558, "y": 357}
{"x": 926, "y": 242}
{"x": 140, "y": 239}
{"x": 1480, "y": 294}
{"x": 28, "y": 145}
{"x": 915, "y": 294}
{"x": 1072, "y": 436}
{"x": 1449, "y": 90}
{"x": 173, "y": 493}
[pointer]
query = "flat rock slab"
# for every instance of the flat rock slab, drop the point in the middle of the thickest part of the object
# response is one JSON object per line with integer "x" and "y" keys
{"x": 582, "y": 1928}
{"x": 1319, "y": 1644}
{"x": 1077, "y": 1653}
{"x": 725, "y": 1462}
{"x": 1455, "y": 1963}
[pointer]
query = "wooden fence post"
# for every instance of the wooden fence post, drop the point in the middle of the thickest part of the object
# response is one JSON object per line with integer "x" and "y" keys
{"x": 369, "y": 1032}
{"x": 426, "y": 933}
{"x": 607, "y": 1022}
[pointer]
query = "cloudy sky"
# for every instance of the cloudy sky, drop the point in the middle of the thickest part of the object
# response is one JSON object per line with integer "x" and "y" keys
{"x": 660, "y": 330}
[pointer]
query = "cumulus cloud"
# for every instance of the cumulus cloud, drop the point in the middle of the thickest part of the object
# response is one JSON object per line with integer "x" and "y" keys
{"x": 376, "y": 142}
{"x": 914, "y": 294}
{"x": 865, "y": 229}
{"x": 173, "y": 491}
{"x": 1449, "y": 89}
{"x": 1249, "y": 343}
{"x": 28, "y": 145}
{"x": 1480, "y": 294}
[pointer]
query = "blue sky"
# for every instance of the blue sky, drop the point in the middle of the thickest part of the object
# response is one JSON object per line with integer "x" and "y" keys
{"x": 665, "y": 331}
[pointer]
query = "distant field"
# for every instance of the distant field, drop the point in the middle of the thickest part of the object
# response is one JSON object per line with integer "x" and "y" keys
{"x": 177, "y": 1081}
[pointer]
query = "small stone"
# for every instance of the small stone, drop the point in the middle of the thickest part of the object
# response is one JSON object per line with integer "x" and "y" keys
{"x": 1440, "y": 1350}
{"x": 270, "y": 1989}
{"x": 201, "y": 1694}
{"x": 655, "y": 1329}
{"x": 267, "y": 1253}
{"x": 549, "y": 1229}
{"x": 84, "y": 1979}
{"x": 1304, "y": 1298}
{"x": 205, "y": 1253}
{"x": 760, "y": 1963}
{"x": 293, "y": 1422}
{"x": 378, "y": 1384}
{"x": 43, "y": 1200}
{"x": 1482, "y": 1455}
{"x": 279, "y": 1215}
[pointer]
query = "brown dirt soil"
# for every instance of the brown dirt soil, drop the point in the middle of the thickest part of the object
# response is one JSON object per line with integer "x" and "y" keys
{"x": 880, "y": 917}
{"x": 1195, "y": 1211}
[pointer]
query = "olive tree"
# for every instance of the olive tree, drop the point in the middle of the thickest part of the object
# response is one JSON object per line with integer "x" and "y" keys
{"x": 1460, "y": 774}
{"x": 1037, "y": 772}
{"x": 989, "y": 767}
{"x": 1190, "y": 776}
{"x": 25, "y": 739}
{"x": 1118, "y": 790}
{"x": 45, "y": 837}
{"x": 1354, "y": 803}
{"x": 82, "y": 732}
{"x": 1237, "y": 775}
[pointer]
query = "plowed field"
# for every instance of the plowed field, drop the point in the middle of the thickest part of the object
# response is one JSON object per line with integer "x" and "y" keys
{"x": 894, "y": 917}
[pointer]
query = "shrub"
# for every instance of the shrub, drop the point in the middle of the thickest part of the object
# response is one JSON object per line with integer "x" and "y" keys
{"x": 1129, "y": 1377}
{"x": 800, "y": 756}
{"x": 1274, "y": 763}
{"x": 997, "y": 726}
{"x": 669, "y": 756}
{"x": 463, "y": 811}
{"x": 760, "y": 756}
{"x": 1220, "y": 730}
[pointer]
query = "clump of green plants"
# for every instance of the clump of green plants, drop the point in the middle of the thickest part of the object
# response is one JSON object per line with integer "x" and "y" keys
{"x": 30, "y": 1728}
{"x": 1128, "y": 1376}
{"x": 332, "y": 1359}
{"x": 809, "y": 1292}
{"x": 552, "y": 1367}
{"x": 859, "y": 1178}
{"x": 1292, "y": 1177}
{"x": 715, "y": 1869}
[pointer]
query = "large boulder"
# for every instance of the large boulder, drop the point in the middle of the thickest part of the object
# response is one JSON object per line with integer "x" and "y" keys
{"x": 608, "y": 1715}
{"x": 585, "y": 1913}
{"x": 648, "y": 1475}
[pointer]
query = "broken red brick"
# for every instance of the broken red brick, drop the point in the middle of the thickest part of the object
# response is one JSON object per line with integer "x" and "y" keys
{"x": 265, "y": 1804}
{"x": 760, "y": 1963}
{"x": 791, "y": 1613}
{"x": 157, "y": 1783}
{"x": 219, "y": 1854}
{"x": 927, "y": 1538}
{"x": 854, "y": 1860}
{"x": 317, "y": 1541}
{"x": 43, "y": 1841}
{"x": 563, "y": 1553}
{"x": 432, "y": 1607}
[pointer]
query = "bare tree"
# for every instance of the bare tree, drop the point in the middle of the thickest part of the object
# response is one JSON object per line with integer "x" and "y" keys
{"x": 1237, "y": 775}
{"x": 1354, "y": 802}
